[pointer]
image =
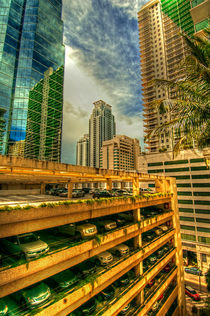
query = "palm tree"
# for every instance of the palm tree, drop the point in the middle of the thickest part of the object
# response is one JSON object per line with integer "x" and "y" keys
{"x": 189, "y": 110}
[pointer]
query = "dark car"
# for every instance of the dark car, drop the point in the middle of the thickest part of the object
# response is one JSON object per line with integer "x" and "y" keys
{"x": 34, "y": 296}
{"x": 106, "y": 294}
{"x": 85, "y": 268}
{"x": 148, "y": 236}
{"x": 125, "y": 279}
{"x": 99, "y": 194}
{"x": 104, "y": 225}
{"x": 88, "y": 308}
{"x": 192, "y": 293}
{"x": 63, "y": 280}
{"x": 193, "y": 270}
{"x": 9, "y": 307}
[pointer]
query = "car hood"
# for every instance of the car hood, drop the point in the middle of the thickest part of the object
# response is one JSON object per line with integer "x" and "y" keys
{"x": 86, "y": 226}
{"x": 105, "y": 254}
{"x": 65, "y": 277}
{"x": 34, "y": 246}
{"x": 37, "y": 291}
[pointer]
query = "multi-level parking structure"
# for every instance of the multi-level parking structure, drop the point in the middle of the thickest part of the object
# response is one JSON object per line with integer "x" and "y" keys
{"x": 167, "y": 288}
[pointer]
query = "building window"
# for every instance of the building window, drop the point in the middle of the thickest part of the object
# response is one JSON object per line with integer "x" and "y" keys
{"x": 203, "y": 257}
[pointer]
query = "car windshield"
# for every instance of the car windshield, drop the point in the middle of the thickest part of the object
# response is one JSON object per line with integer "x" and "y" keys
{"x": 26, "y": 239}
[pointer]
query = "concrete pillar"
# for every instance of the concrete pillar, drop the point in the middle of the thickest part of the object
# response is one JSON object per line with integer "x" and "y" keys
{"x": 70, "y": 187}
{"x": 135, "y": 186}
{"x": 122, "y": 185}
{"x": 178, "y": 245}
{"x": 139, "y": 266}
{"x": 42, "y": 190}
{"x": 109, "y": 184}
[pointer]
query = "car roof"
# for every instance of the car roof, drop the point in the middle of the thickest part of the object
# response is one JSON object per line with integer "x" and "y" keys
{"x": 189, "y": 288}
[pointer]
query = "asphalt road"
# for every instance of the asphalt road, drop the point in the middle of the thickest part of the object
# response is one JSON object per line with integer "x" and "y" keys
{"x": 13, "y": 200}
{"x": 196, "y": 282}
{"x": 199, "y": 304}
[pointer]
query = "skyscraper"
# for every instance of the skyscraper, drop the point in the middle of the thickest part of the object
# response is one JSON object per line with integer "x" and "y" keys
{"x": 101, "y": 127}
{"x": 32, "y": 37}
{"x": 82, "y": 151}
{"x": 161, "y": 49}
{"x": 44, "y": 123}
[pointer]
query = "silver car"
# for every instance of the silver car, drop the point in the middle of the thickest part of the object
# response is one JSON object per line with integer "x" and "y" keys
{"x": 31, "y": 245}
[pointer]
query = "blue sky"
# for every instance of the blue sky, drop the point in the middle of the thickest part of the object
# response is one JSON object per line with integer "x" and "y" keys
{"x": 102, "y": 62}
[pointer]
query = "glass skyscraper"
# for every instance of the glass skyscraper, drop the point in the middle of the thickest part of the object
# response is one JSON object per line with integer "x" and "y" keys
{"x": 31, "y": 33}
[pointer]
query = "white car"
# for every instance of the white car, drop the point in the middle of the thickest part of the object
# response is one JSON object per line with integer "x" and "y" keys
{"x": 164, "y": 228}
{"x": 31, "y": 245}
{"x": 158, "y": 231}
{"x": 120, "y": 250}
{"x": 104, "y": 258}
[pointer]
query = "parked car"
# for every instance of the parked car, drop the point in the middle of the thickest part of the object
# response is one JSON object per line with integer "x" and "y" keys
{"x": 34, "y": 296}
{"x": 151, "y": 283}
{"x": 120, "y": 250}
{"x": 106, "y": 294}
{"x": 85, "y": 268}
{"x": 82, "y": 231}
{"x": 152, "y": 258}
{"x": 125, "y": 279}
{"x": 86, "y": 190}
{"x": 148, "y": 236}
{"x": 104, "y": 258}
{"x": 77, "y": 193}
{"x": 125, "y": 309}
{"x": 167, "y": 268}
{"x": 9, "y": 307}
{"x": 192, "y": 293}
{"x": 63, "y": 279}
{"x": 105, "y": 225}
{"x": 29, "y": 244}
{"x": 88, "y": 308}
{"x": 99, "y": 194}
{"x": 124, "y": 218}
{"x": 64, "y": 193}
{"x": 193, "y": 270}
{"x": 158, "y": 231}
{"x": 164, "y": 227}
{"x": 157, "y": 303}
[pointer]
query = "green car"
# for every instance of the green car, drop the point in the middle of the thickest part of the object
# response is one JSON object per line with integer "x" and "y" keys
{"x": 34, "y": 296}
{"x": 8, "y": 307}
{"x": 63, "y": 279}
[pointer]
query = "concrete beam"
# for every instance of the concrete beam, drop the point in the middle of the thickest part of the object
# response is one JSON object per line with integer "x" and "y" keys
{"x": 16, "y": 222}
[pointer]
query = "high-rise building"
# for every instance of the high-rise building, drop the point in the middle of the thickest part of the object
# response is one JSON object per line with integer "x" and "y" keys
{"x": 192, "y": 177}
{"x": 45, "y": 112}
{"x": 200, "y": 15}
{"x": 82, "y": 151}
{"x": 120, "y": 153}
{"x": 161, "y": 49}
{"x": 101, "y": 127}
{"x": 32, "y": 41}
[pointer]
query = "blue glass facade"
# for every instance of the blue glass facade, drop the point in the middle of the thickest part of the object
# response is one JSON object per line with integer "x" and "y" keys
{"x": 31, "y": 33}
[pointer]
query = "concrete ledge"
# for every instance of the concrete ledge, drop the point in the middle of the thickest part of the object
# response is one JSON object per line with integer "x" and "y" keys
{"x": 80, "y": 296}
{"x": 164, "y": 286}
{"x": 17, "y": 278}
{"x": 129, "y": 296}
{"x": 16, "y": 222}
{"x": 168, "y": 303}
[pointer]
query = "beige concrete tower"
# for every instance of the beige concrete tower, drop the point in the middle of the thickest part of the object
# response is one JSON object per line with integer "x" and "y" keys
{"x": 161, "y": 50}
{"x": 120, "y": 153}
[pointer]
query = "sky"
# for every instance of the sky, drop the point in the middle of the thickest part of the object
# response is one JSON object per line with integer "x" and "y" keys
{"x": 102, "y": 63}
